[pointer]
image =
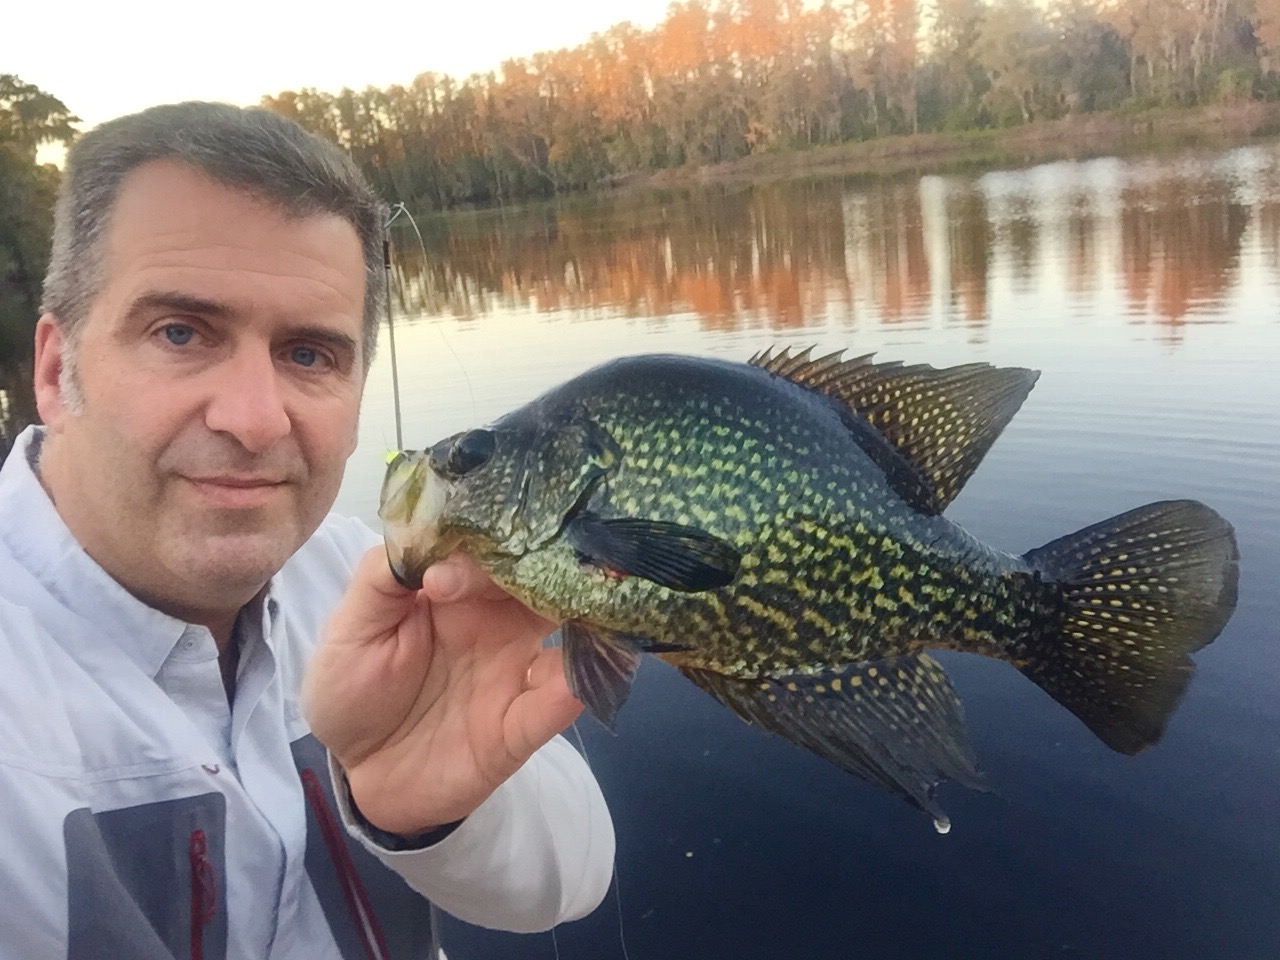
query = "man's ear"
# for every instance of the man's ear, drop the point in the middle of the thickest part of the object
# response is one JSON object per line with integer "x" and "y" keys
{"x": 48, "y": 372}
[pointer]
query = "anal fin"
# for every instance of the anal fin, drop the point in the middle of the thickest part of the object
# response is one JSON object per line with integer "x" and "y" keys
{"x": 895, "y": 722}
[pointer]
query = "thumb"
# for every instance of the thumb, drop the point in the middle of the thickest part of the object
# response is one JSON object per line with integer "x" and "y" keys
{"x": 459, "y": 578}
{"x": 374, "y": 604}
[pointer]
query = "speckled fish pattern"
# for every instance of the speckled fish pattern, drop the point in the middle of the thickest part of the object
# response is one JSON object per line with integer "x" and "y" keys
{"x": 775, "y": 531}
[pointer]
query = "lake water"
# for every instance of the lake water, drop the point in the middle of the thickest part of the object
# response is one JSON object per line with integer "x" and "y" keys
{"x": 1148, "y": 293}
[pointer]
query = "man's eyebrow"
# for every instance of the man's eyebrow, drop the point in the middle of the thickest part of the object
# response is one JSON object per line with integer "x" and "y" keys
{"x": 179, "y": 302}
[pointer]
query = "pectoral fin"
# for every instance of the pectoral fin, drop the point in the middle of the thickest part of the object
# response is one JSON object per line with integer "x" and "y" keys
{"x": 670, "y": 554}
{"x": 894, "y": 722}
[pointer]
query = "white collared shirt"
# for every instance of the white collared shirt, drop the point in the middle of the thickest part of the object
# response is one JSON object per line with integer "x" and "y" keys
{"x": 119, "y": 753}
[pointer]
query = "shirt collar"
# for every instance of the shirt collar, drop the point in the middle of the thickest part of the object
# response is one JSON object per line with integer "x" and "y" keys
{"x": 35, "y": 534}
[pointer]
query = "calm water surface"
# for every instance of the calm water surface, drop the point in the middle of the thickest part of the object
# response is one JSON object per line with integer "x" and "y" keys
{"x": 1148, "y": 293}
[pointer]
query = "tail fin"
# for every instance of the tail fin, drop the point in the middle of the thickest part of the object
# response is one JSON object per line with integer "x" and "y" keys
{"x": 1136, "y": 594}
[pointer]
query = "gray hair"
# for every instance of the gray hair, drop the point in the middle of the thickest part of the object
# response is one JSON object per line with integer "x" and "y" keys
{"x": 253, "y": 150}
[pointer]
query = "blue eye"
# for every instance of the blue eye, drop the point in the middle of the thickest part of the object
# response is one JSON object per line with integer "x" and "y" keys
{"x": 179, "y": 334}
{"x": 304, "y": 356}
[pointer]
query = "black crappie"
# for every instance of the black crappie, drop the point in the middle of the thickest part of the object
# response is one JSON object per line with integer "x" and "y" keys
{"x": 774, "y": 530}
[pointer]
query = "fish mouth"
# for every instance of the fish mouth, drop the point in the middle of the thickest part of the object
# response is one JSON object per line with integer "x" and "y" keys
{"x": 407, "y": 567}
{"x": 414, "y": 496}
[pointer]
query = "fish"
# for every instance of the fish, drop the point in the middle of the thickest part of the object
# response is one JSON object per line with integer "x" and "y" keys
{"x": 774, "y": 530}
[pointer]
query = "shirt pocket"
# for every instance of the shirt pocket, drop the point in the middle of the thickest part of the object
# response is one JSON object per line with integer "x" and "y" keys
{"x": 148, "y": 881}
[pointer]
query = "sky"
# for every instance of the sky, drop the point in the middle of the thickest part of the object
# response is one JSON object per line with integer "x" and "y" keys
{"x": 107, "y": 59}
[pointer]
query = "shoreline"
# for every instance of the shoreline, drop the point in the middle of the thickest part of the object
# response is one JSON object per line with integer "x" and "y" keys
{"x": 1075, "y": 137}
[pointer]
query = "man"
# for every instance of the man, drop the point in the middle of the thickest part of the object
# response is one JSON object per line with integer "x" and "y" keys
{"x": 167, "y": 570}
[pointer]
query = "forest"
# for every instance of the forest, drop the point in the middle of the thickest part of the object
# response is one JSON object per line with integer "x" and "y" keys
{"x": 716, "y": 82}
{"x": 29, "y": 117}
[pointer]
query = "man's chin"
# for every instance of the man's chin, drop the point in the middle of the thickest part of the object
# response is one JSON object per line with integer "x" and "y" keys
{"x": 236, "y": 564}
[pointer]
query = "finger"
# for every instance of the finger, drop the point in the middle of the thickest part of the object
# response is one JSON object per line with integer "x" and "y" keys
{"x": 545, "y": 666}
{"x": 458, "y": 578}
{"x": 373, "y": 604}
{"x": 544, "y": 710}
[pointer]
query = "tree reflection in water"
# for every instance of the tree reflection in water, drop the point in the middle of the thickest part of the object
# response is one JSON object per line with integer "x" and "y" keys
{"x": 1167, "y": 232}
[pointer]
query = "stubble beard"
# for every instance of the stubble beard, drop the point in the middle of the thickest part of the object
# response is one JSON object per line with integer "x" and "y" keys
{"x": 70, "y": 387}
{"x": 221, "y": 559}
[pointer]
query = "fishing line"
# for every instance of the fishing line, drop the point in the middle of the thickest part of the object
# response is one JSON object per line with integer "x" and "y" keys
{"x": 399, "y": 209}
{"x": 391, "y": 329}
{"x": 617, "y": 883}
{"x": 435, "y": 952}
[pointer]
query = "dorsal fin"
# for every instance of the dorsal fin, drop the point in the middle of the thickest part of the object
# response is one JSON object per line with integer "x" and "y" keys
{"x": 942, "y": 420}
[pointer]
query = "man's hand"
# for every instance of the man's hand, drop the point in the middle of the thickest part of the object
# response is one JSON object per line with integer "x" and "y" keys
{"x": 430, "y": 699}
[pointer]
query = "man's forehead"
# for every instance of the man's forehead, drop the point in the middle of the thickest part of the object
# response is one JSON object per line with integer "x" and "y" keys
{"x": 172, "y": 217}
{"x": 171, "y": 193}
{"x": 162, "y": 189}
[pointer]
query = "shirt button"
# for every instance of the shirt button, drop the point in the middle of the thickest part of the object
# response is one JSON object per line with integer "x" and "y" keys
{"x": 189, "y": 643}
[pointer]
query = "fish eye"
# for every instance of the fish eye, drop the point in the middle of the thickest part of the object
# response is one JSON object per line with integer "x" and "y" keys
{"x": 470, "y": 452}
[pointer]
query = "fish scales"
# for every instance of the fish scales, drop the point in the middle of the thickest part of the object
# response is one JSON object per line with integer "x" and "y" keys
{"x": 775, "y": 531}
{"x": 781, "y": 487}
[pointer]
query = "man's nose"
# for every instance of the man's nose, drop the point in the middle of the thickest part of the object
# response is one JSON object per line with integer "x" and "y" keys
{"x": 247, "y": 403}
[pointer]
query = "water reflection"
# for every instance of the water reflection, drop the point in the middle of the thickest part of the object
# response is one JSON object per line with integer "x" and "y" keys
{"x": 1156, "y": 244}
{"x": 969, "y": 236}
{"x": 1180, "y": 246}
{"x": 1106, "y": 276}
{"x": 1170, "y": 235}
{"x": 884, "y": 246}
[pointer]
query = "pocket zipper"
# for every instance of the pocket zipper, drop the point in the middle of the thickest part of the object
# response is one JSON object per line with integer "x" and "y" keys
{"x": 362, "y": 915}
{"x": 204, "y": 891}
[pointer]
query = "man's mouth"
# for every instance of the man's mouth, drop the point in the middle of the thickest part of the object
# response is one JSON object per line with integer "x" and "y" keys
{"x": 236, "y": 492}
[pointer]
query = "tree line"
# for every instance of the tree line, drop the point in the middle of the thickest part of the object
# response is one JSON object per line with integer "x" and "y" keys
{"x": 717, "y": 81}
{"x": 29, "y": 118}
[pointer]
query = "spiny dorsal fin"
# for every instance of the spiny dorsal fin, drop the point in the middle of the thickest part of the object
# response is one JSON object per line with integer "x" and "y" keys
{"x": 942, "y": 420}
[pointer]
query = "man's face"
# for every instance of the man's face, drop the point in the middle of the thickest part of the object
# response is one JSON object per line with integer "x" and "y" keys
{"x": 221, "y": 375}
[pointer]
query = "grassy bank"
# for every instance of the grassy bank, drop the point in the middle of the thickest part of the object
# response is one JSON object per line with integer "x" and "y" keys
{"x": 1075, "y": 137}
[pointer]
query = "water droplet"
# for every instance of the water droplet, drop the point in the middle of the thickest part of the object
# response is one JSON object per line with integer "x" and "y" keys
{"x": 942, "y": 824}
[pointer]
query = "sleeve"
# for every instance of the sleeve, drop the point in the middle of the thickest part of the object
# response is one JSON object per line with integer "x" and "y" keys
{"x": 538, "y": 852}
